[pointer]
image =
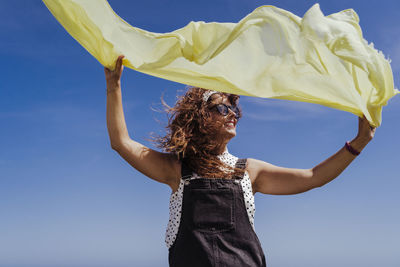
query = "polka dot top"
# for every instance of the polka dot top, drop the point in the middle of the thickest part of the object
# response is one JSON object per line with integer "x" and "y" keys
{"x": 175, "y": 202}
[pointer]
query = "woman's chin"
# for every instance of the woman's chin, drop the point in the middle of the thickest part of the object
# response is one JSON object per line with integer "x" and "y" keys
{"x": 230, "y": 131}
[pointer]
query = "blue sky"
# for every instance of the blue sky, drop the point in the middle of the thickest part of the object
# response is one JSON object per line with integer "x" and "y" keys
{"x": 68, "y": 199}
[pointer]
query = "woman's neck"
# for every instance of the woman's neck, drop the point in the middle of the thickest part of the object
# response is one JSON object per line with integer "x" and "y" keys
{"x": 220, "y": 149}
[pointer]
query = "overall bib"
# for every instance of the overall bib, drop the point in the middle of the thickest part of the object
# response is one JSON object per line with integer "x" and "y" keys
{"x": 214, "y": 229}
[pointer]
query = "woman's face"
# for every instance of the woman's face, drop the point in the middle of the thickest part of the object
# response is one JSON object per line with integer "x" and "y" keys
{"x": 228, "y": 129}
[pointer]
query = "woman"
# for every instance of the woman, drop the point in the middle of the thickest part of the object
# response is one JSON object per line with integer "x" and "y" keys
{"x": 212, "y": 200}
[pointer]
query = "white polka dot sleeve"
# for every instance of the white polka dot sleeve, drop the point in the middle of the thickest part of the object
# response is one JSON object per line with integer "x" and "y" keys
{"x": 175, "y": 211}
{"x": 248, "y": 198}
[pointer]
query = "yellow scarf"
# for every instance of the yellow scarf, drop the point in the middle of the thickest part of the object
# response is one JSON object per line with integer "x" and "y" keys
{"x": 270, "y": 53}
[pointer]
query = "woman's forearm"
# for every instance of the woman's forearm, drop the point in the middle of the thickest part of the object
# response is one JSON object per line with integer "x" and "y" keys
{"x": 329, "y": 169}
{"x": 116, "y": 125}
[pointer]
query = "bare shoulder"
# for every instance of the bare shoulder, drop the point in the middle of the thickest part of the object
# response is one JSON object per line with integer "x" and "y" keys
{"x": 174, "y": 170}
{"x": 253, "y": 168}
{"x": 177, "y": 166}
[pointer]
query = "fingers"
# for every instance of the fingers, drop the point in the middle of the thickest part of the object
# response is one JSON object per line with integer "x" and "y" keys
{"x": 114, "y": 75}
{"x": 118, "y": 65}
{"x": 365, "y": 121}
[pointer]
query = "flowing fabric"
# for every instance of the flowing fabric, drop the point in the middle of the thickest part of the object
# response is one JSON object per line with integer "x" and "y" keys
{"x": 270, "y": 53}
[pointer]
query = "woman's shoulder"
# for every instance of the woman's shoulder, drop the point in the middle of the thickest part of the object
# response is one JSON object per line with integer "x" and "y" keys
{"x": 252, "y": 168}
{"x": 175, "y": 170}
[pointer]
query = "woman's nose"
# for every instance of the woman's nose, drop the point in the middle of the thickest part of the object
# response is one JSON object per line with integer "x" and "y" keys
{"x": 231, "y": 113}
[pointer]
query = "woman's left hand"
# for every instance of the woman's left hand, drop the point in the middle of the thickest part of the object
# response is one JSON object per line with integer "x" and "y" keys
{"x": 365, "y": 130}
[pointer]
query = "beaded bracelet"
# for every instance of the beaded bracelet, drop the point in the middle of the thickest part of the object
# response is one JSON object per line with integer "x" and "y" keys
{"x": 351, "y": 149}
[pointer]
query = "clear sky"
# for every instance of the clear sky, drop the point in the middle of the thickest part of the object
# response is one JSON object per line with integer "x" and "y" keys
{"x": 68, "y": 199}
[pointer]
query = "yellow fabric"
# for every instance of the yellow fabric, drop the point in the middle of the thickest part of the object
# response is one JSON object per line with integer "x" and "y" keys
{"x": 270, "y": 53}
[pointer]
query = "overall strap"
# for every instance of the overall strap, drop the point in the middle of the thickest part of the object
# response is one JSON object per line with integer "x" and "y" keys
{"x": 186, "y": 172}
{"x": 241, "y": 163}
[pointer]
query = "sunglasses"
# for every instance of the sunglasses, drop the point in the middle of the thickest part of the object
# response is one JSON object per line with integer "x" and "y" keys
{"x": 224, "y": 110}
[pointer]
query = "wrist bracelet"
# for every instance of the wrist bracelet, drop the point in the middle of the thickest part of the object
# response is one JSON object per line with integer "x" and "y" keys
{"x": 351, "y": 149}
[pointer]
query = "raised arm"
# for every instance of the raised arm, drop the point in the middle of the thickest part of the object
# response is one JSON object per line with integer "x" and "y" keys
{"x": 274, "y": 180}
{"x": 162, "y": 167}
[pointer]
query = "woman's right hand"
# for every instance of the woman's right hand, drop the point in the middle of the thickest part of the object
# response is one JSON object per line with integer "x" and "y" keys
{"x": 113, "y": 77}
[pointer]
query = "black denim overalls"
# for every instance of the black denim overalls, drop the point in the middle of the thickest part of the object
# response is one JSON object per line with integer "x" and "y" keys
{"x": 215, "y": 229}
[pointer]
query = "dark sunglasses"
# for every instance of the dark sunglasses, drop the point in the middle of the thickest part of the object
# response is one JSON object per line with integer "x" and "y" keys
{"x": 224, "y": 110}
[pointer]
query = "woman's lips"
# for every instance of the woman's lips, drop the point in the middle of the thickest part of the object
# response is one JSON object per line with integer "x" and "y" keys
{"x": 230, "y": 124}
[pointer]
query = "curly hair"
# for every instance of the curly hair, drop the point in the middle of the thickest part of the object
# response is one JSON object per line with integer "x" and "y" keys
{"x": 191, "y": 134}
